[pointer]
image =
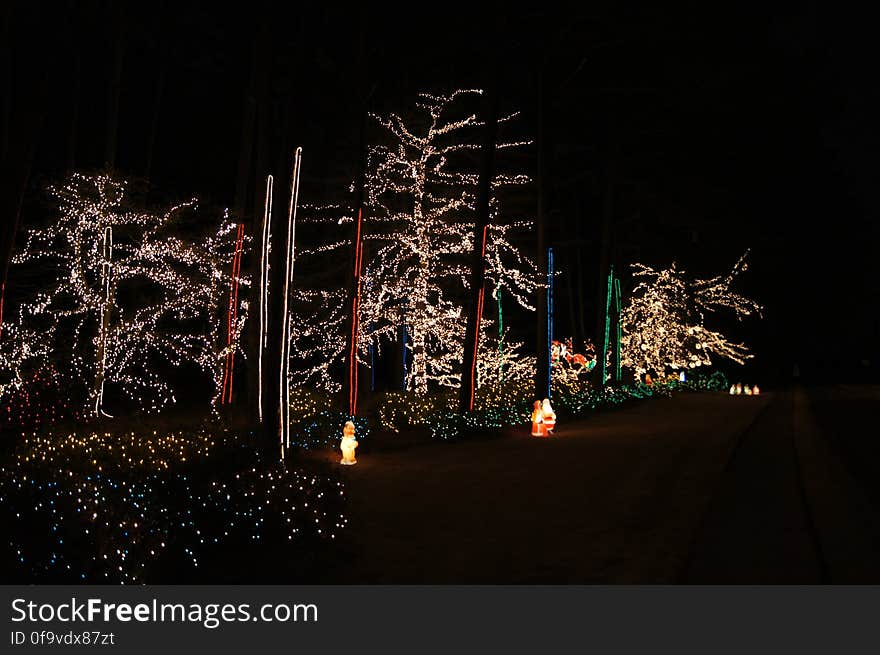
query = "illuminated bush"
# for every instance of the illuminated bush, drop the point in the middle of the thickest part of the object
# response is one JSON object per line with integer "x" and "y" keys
{"x": 496, "y": 406}
{"x": 400, "y": 410}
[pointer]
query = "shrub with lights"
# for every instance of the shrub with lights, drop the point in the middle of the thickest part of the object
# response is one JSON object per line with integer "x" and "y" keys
{"x": 584, "y": 399}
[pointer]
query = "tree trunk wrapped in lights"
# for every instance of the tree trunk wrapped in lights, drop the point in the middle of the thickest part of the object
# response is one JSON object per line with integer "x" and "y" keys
{"x": 129, "y": 292}
{"x": 422, "y": 196}
{"x": 664, "y": 321}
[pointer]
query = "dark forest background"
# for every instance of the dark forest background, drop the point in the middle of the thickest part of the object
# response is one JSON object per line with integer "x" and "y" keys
{"x": 682, "y": 132}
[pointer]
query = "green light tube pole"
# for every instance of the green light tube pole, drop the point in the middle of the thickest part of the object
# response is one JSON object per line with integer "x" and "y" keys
{"x": 603, "y": 354}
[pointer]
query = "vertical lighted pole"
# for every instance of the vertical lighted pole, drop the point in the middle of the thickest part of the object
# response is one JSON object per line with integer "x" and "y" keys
{"x": 404, "y": 335}
{"x": 483, "y": 217}
{"x": 2, "y": 296}
{"x": 103, "y": 328}
{"x": 472, "y": 339}
{"x": 232, "y": 317}
{"x": 284, "y": 386}
{"x": 352, "y": 358}
{"x": 549, "y": 322}
{"x": 542, "y": 363}
{"x": 612, "y": 315}
{"x": 603, "y": 353}
{"x": 265, "y": 249}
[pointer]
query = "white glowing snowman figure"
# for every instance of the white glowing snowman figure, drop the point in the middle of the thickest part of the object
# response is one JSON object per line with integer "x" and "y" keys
{"x": 348, "y": 444}
{"x": 732, "y": 389}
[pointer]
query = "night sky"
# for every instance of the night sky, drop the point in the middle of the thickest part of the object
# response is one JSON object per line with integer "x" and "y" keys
{"x": 718, "y": 131}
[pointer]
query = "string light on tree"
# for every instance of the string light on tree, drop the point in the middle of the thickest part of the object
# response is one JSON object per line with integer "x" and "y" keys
{"x": 232, "y": 317}
{"x": 570, "y": 369}
{"x": 131, "y": 296}
{"x": 421, "y": 199}
{"x": 265, "y": 251}
{"x": 21, "y": 349}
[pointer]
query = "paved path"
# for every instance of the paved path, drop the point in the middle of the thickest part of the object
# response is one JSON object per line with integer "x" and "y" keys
{"x": 695, "y": 488}
{"x": 758, "y": 527}
{"x": 791, "y": 508}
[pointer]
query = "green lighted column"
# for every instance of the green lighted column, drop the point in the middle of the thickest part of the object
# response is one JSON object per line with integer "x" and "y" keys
{"x": 603, "y": 353}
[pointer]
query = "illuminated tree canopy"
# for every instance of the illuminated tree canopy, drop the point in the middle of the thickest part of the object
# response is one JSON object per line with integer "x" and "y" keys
{"x": 664, "y": 321}
{"x": 129, "y": 296}
{"x": 421, "y": 201}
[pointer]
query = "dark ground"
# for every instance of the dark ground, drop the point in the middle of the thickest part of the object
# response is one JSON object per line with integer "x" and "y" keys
{"x": 699, "y": 488}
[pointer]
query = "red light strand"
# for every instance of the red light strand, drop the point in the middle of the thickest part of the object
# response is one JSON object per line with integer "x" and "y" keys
{"x": 232, "y": 316}
{"x": 355, "y": 319}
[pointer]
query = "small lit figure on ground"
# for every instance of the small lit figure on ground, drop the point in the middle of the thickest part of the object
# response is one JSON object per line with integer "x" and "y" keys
{"x": 348, "y": 444}
{"x": 732, "y": 389}
{"x": 747, "y": 390}
{"x": 648, "y": 379}
{"x": 549, "y": 416}
{"x": 756, "y": 390}
{"x": 681, "y": 377}
{"x": 739, "y": 388}
{"x": 538, "y": 429}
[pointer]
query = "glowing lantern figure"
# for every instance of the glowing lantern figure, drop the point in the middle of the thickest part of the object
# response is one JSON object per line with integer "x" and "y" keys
{"x": 681, "y": 377}
{"x": 538, "y": 429}
{"x": 755, "y": 390}
{"x": 648, "y": 379}
{"x": 747, "y": 390}
{"x": 348, "y": 444}
{"x": 548, "y": 415}
{"x": 732, "y": 389}
{"x": 739, "y": 389}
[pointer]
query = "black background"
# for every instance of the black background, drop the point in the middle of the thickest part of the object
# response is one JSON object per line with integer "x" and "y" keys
{"x": 729, "y": 127}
